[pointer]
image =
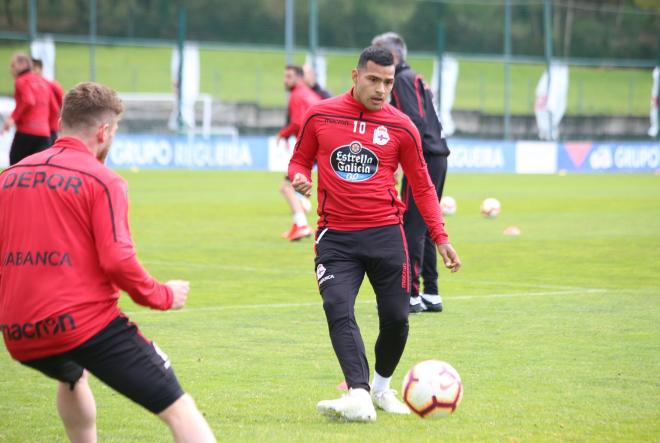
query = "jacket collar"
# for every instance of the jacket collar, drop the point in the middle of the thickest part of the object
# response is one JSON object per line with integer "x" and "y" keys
{"x": 401, "y": 67}
{"x": 74, "y": 143}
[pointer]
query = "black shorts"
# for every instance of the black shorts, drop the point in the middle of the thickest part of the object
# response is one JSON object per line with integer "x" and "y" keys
{"x": 124, "y": 360}
{"x": 25, "y": 145}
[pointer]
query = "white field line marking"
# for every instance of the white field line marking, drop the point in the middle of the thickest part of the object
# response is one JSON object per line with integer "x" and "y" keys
{"x": 319, "y": 303}
{"x": 265, "y": 270}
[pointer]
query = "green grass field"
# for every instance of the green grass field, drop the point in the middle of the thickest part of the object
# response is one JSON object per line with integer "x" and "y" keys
{"x": 256, "y": 76}
{"x": 556, "y": 333}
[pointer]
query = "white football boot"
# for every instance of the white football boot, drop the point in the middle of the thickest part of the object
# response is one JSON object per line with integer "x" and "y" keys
{"x": 416, "y": 305}
{"x": 387, "y": 401}
{"x": 354, "y": 406}
{"x": 433, "y": 303}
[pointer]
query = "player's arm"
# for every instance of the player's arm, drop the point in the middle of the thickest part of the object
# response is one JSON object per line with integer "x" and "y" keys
{"x": 295, "y": 118}
{"x": 304, "y": 154}
{"x": 53, "y": 111}
{"x": 24, "y": 98}
{"x": 117, "y": 255}
{"x": 288, "y": 131}
{"x": 414, "y": 167}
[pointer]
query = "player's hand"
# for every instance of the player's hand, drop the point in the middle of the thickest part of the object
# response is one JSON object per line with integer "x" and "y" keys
{"x": 449, "y": 257}
{"x": 180, "y": 289}
{"x": 8, "y": 124}
{"x": 282, "y": 141}
{"x": 302, "y": 185}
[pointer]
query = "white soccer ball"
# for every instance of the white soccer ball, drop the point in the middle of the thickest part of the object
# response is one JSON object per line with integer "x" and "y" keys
{"x": 448, "y": 205}
{"x": 490, "y": 207}
{"x": 432, "y": 389}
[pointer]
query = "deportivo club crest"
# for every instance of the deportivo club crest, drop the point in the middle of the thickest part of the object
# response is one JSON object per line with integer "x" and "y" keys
{"x": 381, "y": 137}
{"x": 354, "y": 162}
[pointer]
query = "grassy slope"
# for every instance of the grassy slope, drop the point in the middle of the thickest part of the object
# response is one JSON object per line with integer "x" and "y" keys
{"x": 555, "y": 332}
{"x": 250, "y": 76}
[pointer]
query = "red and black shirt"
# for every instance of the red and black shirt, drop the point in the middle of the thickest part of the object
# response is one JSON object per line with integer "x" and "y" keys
{"x": 35, "y": 104}
{"x": 65, "y": 251}
{"x": 358, "y": 151}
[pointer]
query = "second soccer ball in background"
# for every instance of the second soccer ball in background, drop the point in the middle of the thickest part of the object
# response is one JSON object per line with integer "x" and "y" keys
{"x": 448, "y": 205}
{"x": 490, "y": 207}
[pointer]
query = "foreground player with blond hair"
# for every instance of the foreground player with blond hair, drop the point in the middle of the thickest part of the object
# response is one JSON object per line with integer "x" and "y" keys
{"x": 65, "y": 251}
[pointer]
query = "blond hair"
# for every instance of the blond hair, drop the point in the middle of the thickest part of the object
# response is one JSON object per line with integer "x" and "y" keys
{"x": 87, "y": 104}
{"x": 22, "y": 59}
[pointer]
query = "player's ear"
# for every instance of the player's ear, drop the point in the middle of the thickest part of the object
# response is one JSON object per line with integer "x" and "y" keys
{"x": 102, "y": 132}
{"x": 354, "y": 76}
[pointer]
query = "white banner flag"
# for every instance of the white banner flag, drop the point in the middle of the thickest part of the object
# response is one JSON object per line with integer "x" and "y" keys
{"x": 44, "y": 49}
{"x": 653, "y": 130}
{"x": 551, "y": 102}
{"x": 449, "y": 80}
{"x": 190, "y": 86}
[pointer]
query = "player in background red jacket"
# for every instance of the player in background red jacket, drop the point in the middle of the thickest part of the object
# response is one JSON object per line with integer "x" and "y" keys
{"x": 65, "y": 252}
{"x": 300, "y": 99}
{"x": 358, "y": 140}
{"x": 34, "y": 106}
{"x": 58, "y": 93}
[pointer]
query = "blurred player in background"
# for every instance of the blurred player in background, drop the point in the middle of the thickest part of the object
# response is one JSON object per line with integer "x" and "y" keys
{"x": 310, "y": 80}
{"x": 359, "y": 140}
{"x": 35, "y": 104}
{"x": 58, "y": 92}
{"x": 66, "y": 250}
{"x": 300, "y": 99}
{"x": 413, "y": 97}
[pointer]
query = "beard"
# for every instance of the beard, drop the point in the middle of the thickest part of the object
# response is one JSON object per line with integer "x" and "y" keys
{"x": 103, "y": 153}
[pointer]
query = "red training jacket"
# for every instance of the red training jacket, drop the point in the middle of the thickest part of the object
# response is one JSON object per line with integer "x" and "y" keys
{"x": 65, "y": 251}
{"x": 301, "y": 98}
{"x": 35, "y": 104}
{"x": 358, "y": 151}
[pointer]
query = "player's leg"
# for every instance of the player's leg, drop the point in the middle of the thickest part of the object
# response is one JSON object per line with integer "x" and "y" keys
{"x": 387, "y": 269}
{"x": 77, "y": 410}
{"x": 415, "y": 230}
{"x": 75, "y": 402}
{"x": 339, "y": 275}
{"x": 430, "y": 266}
{"x": 19, "y": 149}
{"x": 437, "y": 167}
{"x": 299, "y": 228}
{"x": 132, "y": 365}
{"x": 186, "y": 422}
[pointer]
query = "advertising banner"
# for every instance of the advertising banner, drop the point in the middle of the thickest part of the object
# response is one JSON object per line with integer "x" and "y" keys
{"x": 609, "y": 157}
{"x": 481, "y": 156}
{"x": 467, "y": 155}
{"x": 216, "y": 152}
{"x": 536, "y": 157}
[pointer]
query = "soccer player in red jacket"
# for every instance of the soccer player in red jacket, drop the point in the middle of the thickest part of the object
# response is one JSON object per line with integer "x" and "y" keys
{"x": 300, "y": 99}
{"x": 358, "y": 140}
{"x": 58, "y": 93}
{"x": 65, "y": 252}
{"x": 35, "y": 105}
